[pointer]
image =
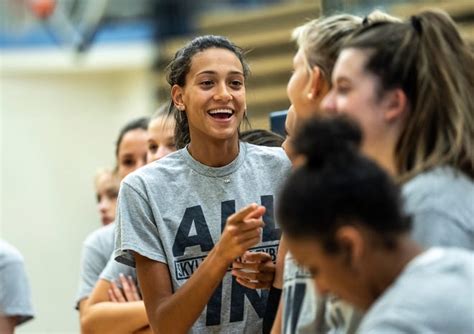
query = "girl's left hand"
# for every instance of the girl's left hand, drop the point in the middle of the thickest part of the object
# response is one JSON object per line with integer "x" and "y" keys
{"x": 255, "y": 270}
{"x": 128, "y": 293}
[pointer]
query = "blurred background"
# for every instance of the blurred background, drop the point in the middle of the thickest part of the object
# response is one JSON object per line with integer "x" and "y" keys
{"x": 72, "y": 72}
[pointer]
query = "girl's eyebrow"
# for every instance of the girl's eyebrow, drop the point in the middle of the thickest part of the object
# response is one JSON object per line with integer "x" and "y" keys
{"x": 206, "y": 72}
{"x": 343, "y": 79}
{"x": 214, "y": 72}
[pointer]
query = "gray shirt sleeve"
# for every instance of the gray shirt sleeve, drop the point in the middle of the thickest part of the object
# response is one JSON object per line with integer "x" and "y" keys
{"x": 113, "y": 269}
{"x": 15, "y": 294}
{"x": 96, "y": 251}
{"x": 136, "y": 227}
{"x": 91, "y": 267}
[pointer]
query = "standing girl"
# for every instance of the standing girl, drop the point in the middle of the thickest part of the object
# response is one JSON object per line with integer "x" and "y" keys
{"x": 115, "y": 304}
{"x": 130, "y": 152}
{"x": 177, "y": 218}
{"x": 301, "y": 310}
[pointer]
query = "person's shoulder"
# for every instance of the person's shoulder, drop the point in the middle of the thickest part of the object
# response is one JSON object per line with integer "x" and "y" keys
{"x": 155, "y": 171}
{"x": 260, "y": 149}
{"x": 102, "y": 233}
{"x": 269, "y": 154}
{"x": 403, "y": 306}
{"x": 444, "y": 267}
{"x": 459, "y": 260}
{"x": 9, "y": 254}
{"x": 173, "y": 162}
{"x": 397, "y": 307}
{"x": 440, "y": 178}
{"x": 438, "y": 188}
{"x": 439, "y": 261}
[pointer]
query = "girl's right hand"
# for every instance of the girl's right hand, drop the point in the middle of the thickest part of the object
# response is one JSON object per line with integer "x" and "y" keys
{"x": 242, "y": 230}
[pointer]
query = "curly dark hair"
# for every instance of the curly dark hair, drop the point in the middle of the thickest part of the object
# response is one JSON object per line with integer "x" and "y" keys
{"x": 338, "y": 186}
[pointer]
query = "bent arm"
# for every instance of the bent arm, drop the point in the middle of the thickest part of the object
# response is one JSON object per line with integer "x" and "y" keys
{"x": 104, "y": 316}
{"x": 176, "y": 313}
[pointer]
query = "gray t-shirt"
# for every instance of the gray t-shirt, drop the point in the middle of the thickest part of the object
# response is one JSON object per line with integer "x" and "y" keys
{"x": 441, "y": 202}
{"x": 174, "y": 210}
{"x": 299, "y": 299}
{"x": 96, "y": 251}
{"x": 433, "y": 294}
{"x": 304, "y": 311}
{"x": 15, "y": 294}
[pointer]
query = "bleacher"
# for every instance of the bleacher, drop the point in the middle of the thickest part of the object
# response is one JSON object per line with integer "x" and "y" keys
{"x": 266, "y": 33}
{"x": 462, "y": 11}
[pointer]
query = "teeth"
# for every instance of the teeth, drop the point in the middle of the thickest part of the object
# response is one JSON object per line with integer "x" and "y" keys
{"x": 221, "y": 111}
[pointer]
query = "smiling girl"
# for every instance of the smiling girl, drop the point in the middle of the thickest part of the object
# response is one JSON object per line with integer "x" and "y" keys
{"x": 410, "y": 87}
{"x": 178, "y": 219}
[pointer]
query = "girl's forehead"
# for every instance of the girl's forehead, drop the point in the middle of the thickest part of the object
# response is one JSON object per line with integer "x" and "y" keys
{"x": 300, "y": 58}
{"x": 162, "y": 122}
{"x": 215, "y": 59}
{"x": 352, "y": 59}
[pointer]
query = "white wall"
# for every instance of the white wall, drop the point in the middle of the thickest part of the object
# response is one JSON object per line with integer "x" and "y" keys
{"x": 58, "y": 125}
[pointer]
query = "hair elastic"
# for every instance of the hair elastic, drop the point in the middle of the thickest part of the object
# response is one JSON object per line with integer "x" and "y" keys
{"x": 416, "y": 23}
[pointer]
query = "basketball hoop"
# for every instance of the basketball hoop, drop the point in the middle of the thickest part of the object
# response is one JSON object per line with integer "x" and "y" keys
{"x": 42, "y": 8}
{"x": 70, "y": 23}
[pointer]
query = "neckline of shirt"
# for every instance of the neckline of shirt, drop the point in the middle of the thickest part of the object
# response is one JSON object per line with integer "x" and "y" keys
{"x": 215, "y": 172}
